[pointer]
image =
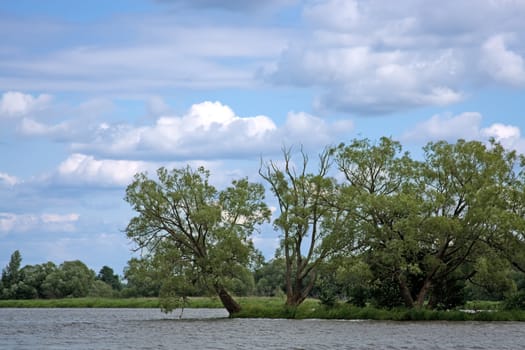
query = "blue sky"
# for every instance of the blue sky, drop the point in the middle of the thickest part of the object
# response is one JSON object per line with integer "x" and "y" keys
{"x": 93, "y": 92}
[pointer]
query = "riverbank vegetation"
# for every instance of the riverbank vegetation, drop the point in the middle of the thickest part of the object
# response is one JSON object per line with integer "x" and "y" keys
{"x": 366, "y": 227}
{"x": 274, "y": 307}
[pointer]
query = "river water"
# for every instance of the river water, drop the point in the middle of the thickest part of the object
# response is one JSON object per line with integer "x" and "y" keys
{"x": 211, "y": 329}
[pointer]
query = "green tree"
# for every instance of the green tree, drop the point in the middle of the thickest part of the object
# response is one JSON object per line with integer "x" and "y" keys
{"x": 33, "y": 277}
{"x": 142, "y": 279}
{"x": 311, "y": 226}
{"x": 269, "y": 278}
{"x": 11, "y": 276}
{"x": 378, "y": 196}
{"x": 469, "y": 190}
{"x": 107, "y": 276}
{"x": 101, "y": 289}
{"x": 493, "y": 278}
{"x": 205, "y": 231}
{"x": 71, "y": 279}
{"x": 424, "y": 222}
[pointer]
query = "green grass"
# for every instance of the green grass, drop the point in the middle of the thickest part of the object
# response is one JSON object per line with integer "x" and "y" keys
{"x": 200, "y": 302}
{"x": 313, "y": 309}
{"x": 83, "y": 303}
{"x": 266, "y": 307}
{"x": 483, "y": 305}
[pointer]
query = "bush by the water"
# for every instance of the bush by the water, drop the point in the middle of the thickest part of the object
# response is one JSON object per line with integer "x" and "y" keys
{"x": 515, "y": 302}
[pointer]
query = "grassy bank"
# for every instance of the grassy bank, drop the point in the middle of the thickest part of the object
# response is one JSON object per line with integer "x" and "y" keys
{"x": 261, "y": 307}
{"x": 312, "y": 309}
{"x": 104, "y": 303}
{"x": 193, "y": 302}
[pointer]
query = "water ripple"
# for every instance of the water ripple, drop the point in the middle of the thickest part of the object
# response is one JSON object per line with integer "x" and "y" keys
{"x": 211, "y": 329}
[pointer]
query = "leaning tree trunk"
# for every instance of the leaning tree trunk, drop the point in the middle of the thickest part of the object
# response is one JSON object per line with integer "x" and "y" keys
{"x": 405, "y": 292}
{"x": 227, "y": 300}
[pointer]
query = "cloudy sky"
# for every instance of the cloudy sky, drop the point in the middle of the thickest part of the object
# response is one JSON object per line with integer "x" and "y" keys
{"x": 92, "y": 92}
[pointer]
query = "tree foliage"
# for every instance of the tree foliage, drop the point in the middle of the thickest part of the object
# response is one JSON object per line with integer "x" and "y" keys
{"x": 380, "y": 228}
{"x": 425, "y": 222}
{"x": 107, "y": 275}
{"x": 311, "y": 227}
{"x": 203, "y": 232}
{"x": 70, "y": 279}
{"x": 11, "y": 276}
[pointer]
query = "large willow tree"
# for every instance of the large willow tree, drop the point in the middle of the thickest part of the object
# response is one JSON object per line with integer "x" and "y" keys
{"x": 426, "y": 223}
{"x": 201, "y": 233}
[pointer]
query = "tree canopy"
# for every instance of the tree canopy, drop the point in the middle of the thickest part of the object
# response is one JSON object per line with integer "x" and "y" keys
{"x": 367, "y": 223}
{"x": 203, "y": 235}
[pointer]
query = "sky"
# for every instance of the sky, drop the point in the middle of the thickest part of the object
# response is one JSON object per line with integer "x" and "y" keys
{"x": 92, "y": 92}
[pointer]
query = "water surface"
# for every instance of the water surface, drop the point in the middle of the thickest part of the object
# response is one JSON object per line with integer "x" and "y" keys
{"x": 211, "y": 329}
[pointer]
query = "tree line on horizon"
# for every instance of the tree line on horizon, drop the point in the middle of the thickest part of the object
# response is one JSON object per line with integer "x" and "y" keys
{"x": 366, "y": 224}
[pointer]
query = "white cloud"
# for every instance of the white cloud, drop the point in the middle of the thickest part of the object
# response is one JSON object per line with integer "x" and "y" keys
{"x": 85, "y": 169}
{"x": 361, "y": 80}
{"x": 465, "y": 126}
{"x": 313, "y": 131}
{"x": 450, "y": 128}
{"x": 8, "y": 180}
{"x": 502, "y": 64}
{"x": 31, "y": 127}
{"x": 14, "y": 104}
{"x": 58, "y": 219}
{"x": 212, "y": 130}
{"x": 334, "y": 14}
{"x": 159, "y": 53}
{"x": 79, "y": 122}
{"x": 508, "y": 135}
{"x": 377, "y": 57}
{"x": 11, "y": 222}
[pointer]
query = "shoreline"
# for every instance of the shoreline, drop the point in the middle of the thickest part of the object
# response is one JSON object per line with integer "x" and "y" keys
{"x": 273, "y": 308}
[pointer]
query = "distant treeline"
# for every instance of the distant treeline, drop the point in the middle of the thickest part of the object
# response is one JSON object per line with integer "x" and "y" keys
{"x": 73, "y": 279}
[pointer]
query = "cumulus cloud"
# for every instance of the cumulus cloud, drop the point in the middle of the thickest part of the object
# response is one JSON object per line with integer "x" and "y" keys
{"x": 446, "y": 127}
{"x": 85, "y": 169}
{"x": 9, "y": 180}
{"x": 15, "y": 104}
{"x": 502, "y": 64}
{"x": 467, "y": 126}
{"x": 508, "y": 135}
{"x": 18, "y": 223}
{"x": 372, "y": 57}
{"x": 212, "y": 130}
{"x": 363, "y": 57}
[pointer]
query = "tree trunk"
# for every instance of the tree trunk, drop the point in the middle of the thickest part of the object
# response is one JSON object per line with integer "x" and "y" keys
{"x": 227, "y": 300}
{"x": 297, "y": 293}
{"x": 295, "y": 299}
{"x": 405, "y": 293}
{"x": 423, "y": 293}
